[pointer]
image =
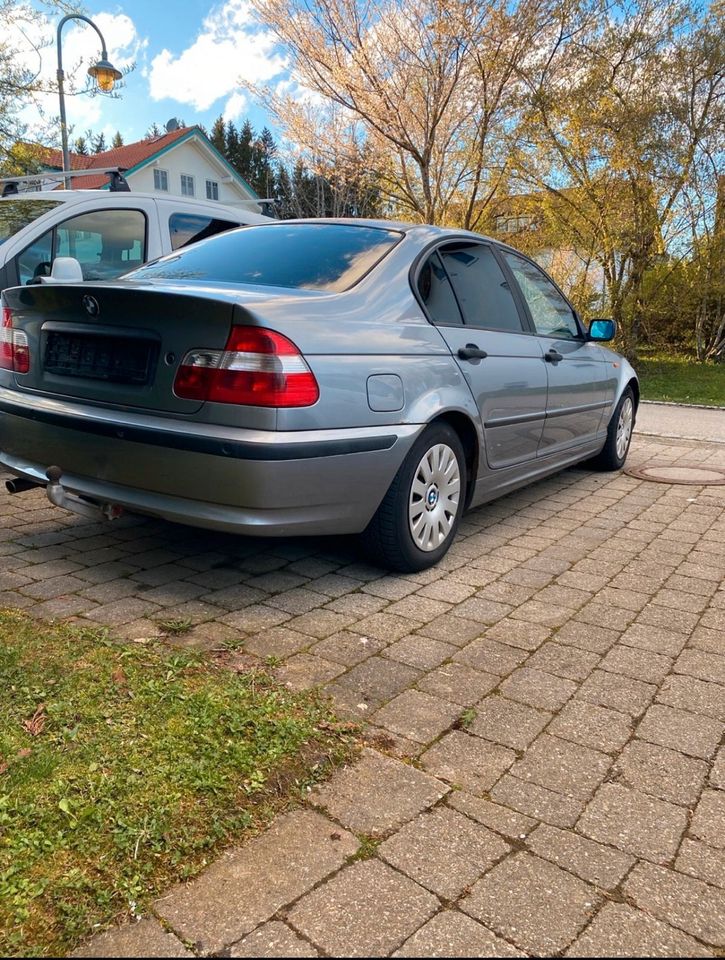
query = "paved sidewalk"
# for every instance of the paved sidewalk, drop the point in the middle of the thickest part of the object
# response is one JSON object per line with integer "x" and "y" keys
{"x": 545, "y": 769}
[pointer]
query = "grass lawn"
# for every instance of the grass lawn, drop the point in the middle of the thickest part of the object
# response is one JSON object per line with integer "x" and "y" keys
{"x": 681, "y": 379}
{"x": 124, "y": 768}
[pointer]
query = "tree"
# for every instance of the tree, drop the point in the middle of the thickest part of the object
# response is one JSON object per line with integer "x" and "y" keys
{"x": 80, "y": 146}
{"x": 98, "y": 143}
{"x": 617, "y": 117}
{"x": 117, "y": 140}
{"x": 432, "y": 84}
{"x": 217, "y": 135}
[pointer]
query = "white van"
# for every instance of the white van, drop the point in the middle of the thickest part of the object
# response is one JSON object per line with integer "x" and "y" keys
{"x": 109, "y": 232}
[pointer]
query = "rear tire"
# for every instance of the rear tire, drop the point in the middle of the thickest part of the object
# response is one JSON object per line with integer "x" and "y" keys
{"x": 417, "y": 521}
{"x": 619, "y": 435}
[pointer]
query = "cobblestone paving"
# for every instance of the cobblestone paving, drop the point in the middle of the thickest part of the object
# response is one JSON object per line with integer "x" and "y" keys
{"x": 545, "y": 769}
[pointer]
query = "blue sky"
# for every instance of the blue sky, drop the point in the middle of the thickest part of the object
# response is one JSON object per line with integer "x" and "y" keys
{"x": 189, "y": 60}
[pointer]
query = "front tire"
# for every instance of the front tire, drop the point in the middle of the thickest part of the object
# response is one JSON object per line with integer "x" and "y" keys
{"x": 417, "y": 521}
{"x": 619, "y": 435}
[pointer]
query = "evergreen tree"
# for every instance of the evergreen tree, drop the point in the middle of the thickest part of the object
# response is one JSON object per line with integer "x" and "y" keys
{"x": 218, "y": 136}
{"x": 245, "y": 161}
{"x": 117, "y": 140}
{"x": 231, "y": 138}
{"x": 98, "y": 143}
{"x": 80, "y": 146}
{"x": 153, "y": 131}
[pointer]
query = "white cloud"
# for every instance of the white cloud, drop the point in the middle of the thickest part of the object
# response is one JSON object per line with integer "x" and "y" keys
{"x": 230, "y": 47}
{"x": 81, "y": 47}
{"x": 235, "y": 106}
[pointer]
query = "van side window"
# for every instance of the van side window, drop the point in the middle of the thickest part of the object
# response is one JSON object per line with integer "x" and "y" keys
{"x": 186, "y": 228}
{"x": 106, "y": 243}
{"x": 434, "y": 289}
{"x": 481, "y": 287}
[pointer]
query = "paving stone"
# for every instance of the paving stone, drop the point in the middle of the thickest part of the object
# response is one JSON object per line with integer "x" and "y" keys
{"x": 320, "y": 623}
{"x": 564, "y": 661}
{"x": 347, "y": 647}
{"x": 644, "y": 826}
{"x": 366, "y": 910}
{"x": 533, "y": 903}
{"x": 655, "y": 639}
{"x": 493, "y": 815}
{"x": 248, "y": 885}
{"x": 304, "y": 671}
{"x": 597, "y": 727}
{"x": 508, "y": 722}
{"x": 687, "y": 732}
{"x": 452, "y": 629}
{"x": 419, "y": 608}
{"x": 421, "y": 652}
{"x": 357, "y": 605}
{"x": 712, "y": 641}
{"x": 698, "y": 696}
{"x": 519, "y": 633}
{"x": 702, "y": 665}
{"x": 279, "y": 642}
{"x": 684, "y": 902}
{"x": 467, "y": 761}
{"x": 377, "y": 794}
{"x": 678, "y": 620}
{"x": 702, "y": 861}
{"x": 717, "y": 774}
{"x": 273, "y": 939}
{"x": 453, "y": 934}
{"x": 391, "y": 587}
{"x": 538, "y": 689}
{"x": 443, "y": 851}
{"x": 489, "y": 656}
{"x": 617, "y": 692}
{"x": 417, "y": 716}
{"x": 378, "y": 679}
{"x": 619, "y": 930}
{"x": 483, "y": 611}
{"x": 708, "y": 823}
{"x": 458, "y": 683}
{"x": 636, "y": 663}
{"x": 615, "y": 618}
{"x": 255, "y": 618}
{"x": 147, "y": 938}
{"x": 386, "y": 627}
{"x": 538, "y": 802}
{"x": 587, "y": 636}
{"x": 593, "y": 862}
{"x": 660, "y": 772}
{"x": 565, "y": 767}
{"x": 548, "y": 614}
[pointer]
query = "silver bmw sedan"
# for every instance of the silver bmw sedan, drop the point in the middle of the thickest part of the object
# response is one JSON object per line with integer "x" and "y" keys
{"x": 310, "y": 377}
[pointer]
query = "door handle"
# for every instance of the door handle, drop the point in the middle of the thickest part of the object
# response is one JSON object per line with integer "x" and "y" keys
{"x": 553, "y": 356}
{"x": 471, "y": 352}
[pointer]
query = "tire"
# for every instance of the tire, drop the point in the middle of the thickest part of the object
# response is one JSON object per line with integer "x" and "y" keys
{"x": 619, "y": 435}
{"x": 417, "y": 521}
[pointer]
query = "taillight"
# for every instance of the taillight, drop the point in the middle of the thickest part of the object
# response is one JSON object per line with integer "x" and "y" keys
{"x": 14, "y": 351}
{"x": 258, "y": 367}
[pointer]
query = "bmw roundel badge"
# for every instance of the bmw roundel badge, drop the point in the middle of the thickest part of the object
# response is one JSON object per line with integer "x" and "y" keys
{"x": 91, "y": 306}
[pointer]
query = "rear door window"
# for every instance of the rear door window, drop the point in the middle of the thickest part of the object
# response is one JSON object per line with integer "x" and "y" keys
{"x": 186, "y": 228}
{"x": 481, "y": 287}
{"x": 434, "y": 289}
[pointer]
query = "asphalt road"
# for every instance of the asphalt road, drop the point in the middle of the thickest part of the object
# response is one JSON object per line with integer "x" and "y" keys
{"x": 674, "y": 420}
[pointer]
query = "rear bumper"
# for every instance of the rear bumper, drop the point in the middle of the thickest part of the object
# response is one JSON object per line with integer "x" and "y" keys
{"x": 246, "y": 481}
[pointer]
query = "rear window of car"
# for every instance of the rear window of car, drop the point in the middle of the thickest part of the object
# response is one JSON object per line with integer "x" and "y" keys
{"x": 308, "y": 256}
{"x": 16, "y": 214}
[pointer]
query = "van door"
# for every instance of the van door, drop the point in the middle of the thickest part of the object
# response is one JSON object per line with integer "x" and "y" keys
{"x": 468, "y": 297}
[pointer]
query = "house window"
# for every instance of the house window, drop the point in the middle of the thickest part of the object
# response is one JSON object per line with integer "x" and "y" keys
{"x": 212, "y": 190}
{"x": 161, "y": 180}
{"x": 187, "y": 185}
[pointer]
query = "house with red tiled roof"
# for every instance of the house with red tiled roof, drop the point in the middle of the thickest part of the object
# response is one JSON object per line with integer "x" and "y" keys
{"x": 182, "y": 163}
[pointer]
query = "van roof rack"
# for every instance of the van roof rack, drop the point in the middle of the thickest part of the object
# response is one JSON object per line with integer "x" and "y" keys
{"x": 117, "y": 181}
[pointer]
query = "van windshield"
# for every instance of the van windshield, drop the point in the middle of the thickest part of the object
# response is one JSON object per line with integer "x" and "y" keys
{"x": 18, "y": 213}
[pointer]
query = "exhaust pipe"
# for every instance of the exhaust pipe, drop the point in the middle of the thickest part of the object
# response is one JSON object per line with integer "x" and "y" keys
{"x": 20, "y": 485}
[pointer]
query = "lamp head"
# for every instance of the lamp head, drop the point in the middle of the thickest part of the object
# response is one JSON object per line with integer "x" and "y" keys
{"x": 105, "y": 74}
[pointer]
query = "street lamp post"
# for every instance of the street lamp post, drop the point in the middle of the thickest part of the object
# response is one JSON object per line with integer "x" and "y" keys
{"x": 103, "y": 72}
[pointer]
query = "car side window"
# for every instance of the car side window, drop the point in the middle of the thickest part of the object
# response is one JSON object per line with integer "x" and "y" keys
{"x": 481, "y": 287}
{"x": 186, "y": 228}
{"x": 551, "y": 314}
{"x": 437, "y": 294}
{"x": 35, "y": 260}
{"x": 106, "y": 243}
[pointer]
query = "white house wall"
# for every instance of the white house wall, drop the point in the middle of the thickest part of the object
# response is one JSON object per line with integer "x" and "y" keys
{"x": 192, "y": 159}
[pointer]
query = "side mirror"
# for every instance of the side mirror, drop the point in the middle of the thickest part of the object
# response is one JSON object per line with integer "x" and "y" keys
{"x": 65, "y": 270}
{"x": 602, "y": 330}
